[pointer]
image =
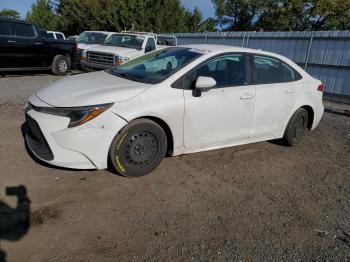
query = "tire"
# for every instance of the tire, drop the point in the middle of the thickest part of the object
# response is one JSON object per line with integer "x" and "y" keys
{"x": 296, "y": 128}
{"x": 60, "y": 65}
{"x": 138, "y": 149}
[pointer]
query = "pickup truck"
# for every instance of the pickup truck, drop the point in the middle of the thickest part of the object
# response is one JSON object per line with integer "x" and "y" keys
{"x": 119, "y": 48}
{"x": 89, "y": 39}
{"x": 24, "y": 47}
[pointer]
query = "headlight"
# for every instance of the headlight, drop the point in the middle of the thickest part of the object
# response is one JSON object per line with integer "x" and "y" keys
{"x": 122, "y": 60}
{"x": 77, "y": 115}
{"x": 83, "y": 55}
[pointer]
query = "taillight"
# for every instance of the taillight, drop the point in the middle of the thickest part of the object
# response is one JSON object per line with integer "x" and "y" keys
{"x": 321, "y": 88}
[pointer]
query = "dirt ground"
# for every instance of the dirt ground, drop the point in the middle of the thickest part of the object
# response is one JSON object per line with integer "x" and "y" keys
{"x": 256, "y": 202}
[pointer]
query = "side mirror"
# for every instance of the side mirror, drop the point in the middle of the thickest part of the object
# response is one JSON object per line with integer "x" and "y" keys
{"x": 205, "y": 83}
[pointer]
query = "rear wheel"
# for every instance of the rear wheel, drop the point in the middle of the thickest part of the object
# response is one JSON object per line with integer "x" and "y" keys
{"x": 138, "y": 149}
{"x": 60, "y": 65}
{"x": 296, "y": 127}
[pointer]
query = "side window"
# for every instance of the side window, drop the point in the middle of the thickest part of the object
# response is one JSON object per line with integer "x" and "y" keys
{"x": 22, "y": 30}
{"x": 59, "y": 36}
{"x": 4, "y": 28}
{"x": 227, "y": 70}
{"x": 50, "y": 35}
{"x": 268, "y": 70}
{"x": 150, "y": 45}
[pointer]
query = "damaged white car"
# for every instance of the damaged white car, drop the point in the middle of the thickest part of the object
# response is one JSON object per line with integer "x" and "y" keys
{"x": 173, "y": 101}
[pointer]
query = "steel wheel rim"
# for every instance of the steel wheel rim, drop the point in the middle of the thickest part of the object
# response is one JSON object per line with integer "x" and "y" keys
{"x": 142, "y": 148}
{"x": 62, "y": 66}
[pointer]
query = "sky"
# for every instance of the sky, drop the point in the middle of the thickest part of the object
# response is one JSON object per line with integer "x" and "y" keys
{"x": 22, "y": 6}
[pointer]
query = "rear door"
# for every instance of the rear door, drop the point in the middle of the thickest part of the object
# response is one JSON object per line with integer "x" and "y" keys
{"x": 26, "y": 49}
{"x": 6, "y": 52}
{"x": 277, "y": 86}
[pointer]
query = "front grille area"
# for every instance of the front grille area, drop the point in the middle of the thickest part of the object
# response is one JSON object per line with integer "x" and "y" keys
{"x": 36, "y": 140}
{"x": 100, "y": 58}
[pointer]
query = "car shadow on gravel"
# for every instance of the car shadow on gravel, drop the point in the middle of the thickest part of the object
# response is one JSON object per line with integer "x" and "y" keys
{"x": 338, "y": 112}
{"x": 34, "y": 73}
{"x": 14, "y": 222}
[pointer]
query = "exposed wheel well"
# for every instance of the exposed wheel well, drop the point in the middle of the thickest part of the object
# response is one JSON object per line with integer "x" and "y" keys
{"x": 311, "y": 115}
{"x": 167, "y": 131}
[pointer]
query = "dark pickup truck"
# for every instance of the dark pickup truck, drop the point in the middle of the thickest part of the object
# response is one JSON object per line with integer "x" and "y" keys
{"x": 24, "y": 47}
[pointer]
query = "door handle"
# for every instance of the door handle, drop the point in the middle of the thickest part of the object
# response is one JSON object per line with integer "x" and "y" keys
{"x": 246, "y": 96}
{"x": 11, "y": 41}
{"x": 290, "y": 91}
{"x": 38, "y": 43}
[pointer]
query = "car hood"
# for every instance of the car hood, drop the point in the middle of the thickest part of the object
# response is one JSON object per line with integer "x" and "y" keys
{"x": 116, "y": 50}
{"x": 90, "y": 89}
{"x": 86, "y": 46}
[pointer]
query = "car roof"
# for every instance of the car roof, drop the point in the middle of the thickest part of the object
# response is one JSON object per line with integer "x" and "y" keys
{"x": 10, "y": 19}
{"x": 229, "y": 48}
{"x": 104, "y": 32}
{"x": 130, "y": 33}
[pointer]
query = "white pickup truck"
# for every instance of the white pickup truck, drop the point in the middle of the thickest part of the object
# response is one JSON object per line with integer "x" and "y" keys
{"x": 119, "y": 48}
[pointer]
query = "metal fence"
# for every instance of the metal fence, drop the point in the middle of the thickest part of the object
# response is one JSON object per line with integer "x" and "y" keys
{"x": 325, "y": 55}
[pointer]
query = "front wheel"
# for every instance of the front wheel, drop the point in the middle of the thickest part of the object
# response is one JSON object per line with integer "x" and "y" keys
{"x": 138, "y": 149}
{"x": 60, "y": 65}
{"x": 296, "y": 127}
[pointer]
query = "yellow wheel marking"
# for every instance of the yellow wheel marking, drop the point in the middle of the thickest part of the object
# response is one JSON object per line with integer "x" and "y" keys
{"x": 121, "y": 140}
{"x": 120, "y": 167}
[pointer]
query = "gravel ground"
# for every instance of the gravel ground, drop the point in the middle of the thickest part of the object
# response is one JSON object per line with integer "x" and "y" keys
{"x": 255, "y": 202}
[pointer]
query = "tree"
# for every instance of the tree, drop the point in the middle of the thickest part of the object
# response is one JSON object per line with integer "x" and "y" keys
{"x": 43, "y": 15}
{"x": 283, "y": 15}
{"x": 237, "y": 15}
{"x": 195, "y": 21}
{"x": 9, "y": 13}
{"x": 330, "y": 15}
{"x": 76, "y": 16}
{"x": 208, "y": 25}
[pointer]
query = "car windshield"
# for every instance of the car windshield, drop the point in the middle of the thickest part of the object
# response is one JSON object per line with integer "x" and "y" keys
{"x": 91, "y": 38}
{"x": 125, "y": 40}
{"x": 156, "y": 66}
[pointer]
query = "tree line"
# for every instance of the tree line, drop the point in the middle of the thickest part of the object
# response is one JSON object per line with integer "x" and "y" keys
{"x": 169, "y": 16}
{"x": 283, "y": 15}
{"x": 75, "y": 16}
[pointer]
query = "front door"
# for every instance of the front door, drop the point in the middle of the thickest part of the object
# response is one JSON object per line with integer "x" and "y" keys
{"x": 222, "y": 115}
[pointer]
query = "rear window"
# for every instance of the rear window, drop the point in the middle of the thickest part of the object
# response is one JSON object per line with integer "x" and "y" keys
{"x": 22, "y": 30}
{"x": 59, "y": 36}
{"x": 166, "y": 40}
{"x": 268, "y": 70}
{"x": 4, "y": 28}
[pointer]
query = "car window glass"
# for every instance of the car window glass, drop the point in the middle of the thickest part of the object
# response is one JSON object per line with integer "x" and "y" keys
{"x": 150, "y": 45}
{"x": 50, "y": 35}
{"x": 22, "y": 30}
{"x": 268, "y": 70}
{"x": 59, "y": 36}
{"x": 227, "y": 70}
{"x": 125, "y": 40}
{"x": 166, "y": 40}
{"x": 4, "y": 28}
{"x": 91, "y": 38}
{"x": 156, "y": 66}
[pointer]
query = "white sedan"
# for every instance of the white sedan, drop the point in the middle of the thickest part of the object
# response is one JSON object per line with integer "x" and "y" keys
{"x": 173, "y": 101}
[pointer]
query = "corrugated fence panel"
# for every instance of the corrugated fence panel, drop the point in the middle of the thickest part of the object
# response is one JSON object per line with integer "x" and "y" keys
{"x": 326, "y": 54}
